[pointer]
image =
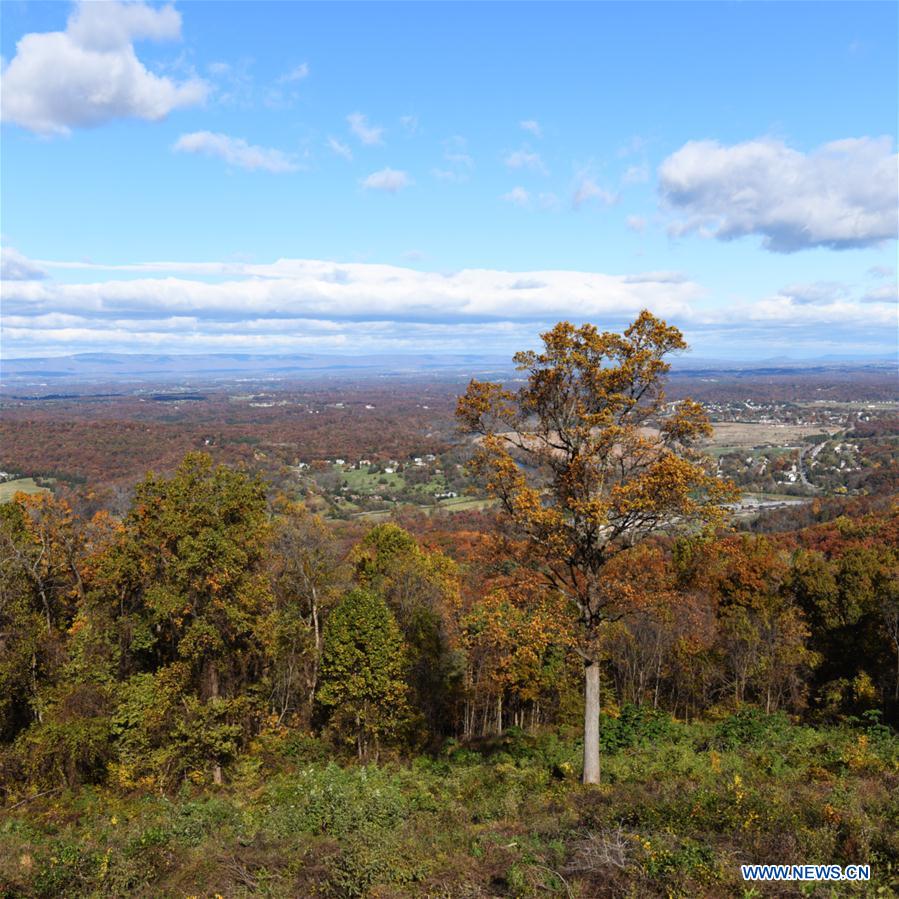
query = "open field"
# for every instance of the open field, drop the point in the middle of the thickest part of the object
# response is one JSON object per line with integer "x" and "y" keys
{"x": 366, "y": 481}
{"x": 21, "y": 485}
{"x": 744, "y": 435}
{"x": 456, "y": 504}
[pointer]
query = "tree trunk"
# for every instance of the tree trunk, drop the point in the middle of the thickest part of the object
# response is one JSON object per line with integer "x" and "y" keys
{"x": 214, "y": 695}
{"x": 37, "y": 705}
{"x": 318, "y": 651}
{"x": 591, "y": 722}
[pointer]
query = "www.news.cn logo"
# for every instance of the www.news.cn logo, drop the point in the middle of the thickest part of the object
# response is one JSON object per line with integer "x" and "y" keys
{"x": 806, "y": 872}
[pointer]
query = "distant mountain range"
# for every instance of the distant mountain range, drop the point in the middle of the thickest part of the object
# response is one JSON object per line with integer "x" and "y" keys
{"x": 227, "y": 366}
{"x": 112, "y": 367}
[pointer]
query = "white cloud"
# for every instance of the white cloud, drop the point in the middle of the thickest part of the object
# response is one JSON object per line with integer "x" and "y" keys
{"x": 367, "y": 134}
{"x": 818, "y": 292}
{"x": 388, "y": 179}
{"x": 518, "y": 196}
{"x": 298, "y": 73}
{"x": 588, "y": 191}
{"x": 112, "y": 25}
{"x": 320, "y": 304}
{"x": 656, "y": 277}
{"x": 886, "y": 293}
{"x": 89, "y": 74}
{"x": 340, "y": 148}
{"x": 881, "y": 271}
{"x": 525, "y": 159}
{"x": 636, "y": 223}
{"x": 16, "y": 267}
{"x": 409, "y": 123}
{"x": 236, "y": 151}
{"x": 531, "y": 126}
{"x": 318, "y": 288}
{"x": 842, "y": 195}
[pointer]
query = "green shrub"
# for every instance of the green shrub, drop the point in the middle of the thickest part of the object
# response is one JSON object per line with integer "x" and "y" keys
{"x": 749, "y": 727}
{"x": 636, "y": 725}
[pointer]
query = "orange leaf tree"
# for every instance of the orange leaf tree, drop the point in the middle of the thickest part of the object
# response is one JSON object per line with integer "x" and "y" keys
{"x": 586, "y": 459}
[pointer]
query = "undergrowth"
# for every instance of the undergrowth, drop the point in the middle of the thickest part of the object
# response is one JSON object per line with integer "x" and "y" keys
{"x": 680, "y": 808}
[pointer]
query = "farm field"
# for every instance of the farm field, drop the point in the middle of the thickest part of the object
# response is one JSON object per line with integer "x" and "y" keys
{"x": 366, "y": 481}
{"x": 733, "y": 435}
{"x": 20, "y": 485}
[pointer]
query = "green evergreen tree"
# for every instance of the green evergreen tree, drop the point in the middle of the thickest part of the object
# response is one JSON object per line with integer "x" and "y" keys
{"x": 363, "y": 672}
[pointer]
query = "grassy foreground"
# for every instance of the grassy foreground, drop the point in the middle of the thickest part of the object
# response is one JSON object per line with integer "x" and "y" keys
{"x": 681, "y": 808}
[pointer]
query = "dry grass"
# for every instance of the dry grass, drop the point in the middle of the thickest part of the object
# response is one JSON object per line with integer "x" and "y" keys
{"x": 749, "y": 434}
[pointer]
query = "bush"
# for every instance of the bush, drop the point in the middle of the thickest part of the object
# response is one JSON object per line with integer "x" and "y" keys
{"x": 636, "y": 725}
{"x": 749, "y": 727}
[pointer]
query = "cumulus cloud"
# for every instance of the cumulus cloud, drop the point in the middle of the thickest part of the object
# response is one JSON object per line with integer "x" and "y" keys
{"x": 236, "y": 151}
{"x": 518, "y": 196}
{"x": 843, "y": 195}
{"x": 16, "y": 267}
{"x": 89, "y": 74}
{"x": 367, "y": 134}
{"x": 390, "y": 180}
{"x": 111, "y": 25}
{"x": 531, "y": 126}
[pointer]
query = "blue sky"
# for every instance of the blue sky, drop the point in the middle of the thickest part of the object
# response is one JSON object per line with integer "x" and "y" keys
{"x": 407, "y": 177}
